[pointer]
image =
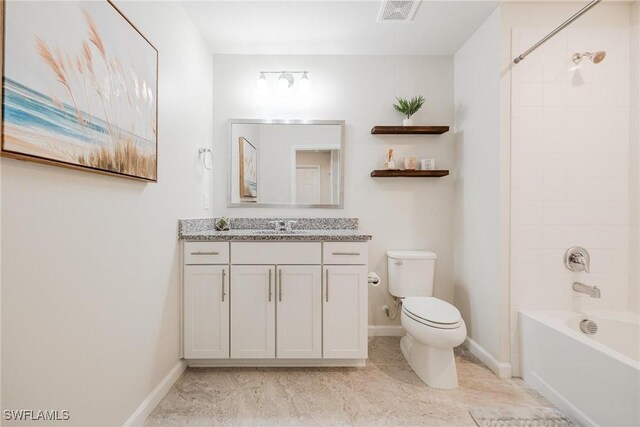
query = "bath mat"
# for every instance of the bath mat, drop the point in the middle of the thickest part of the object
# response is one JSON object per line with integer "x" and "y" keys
{"x": 520, "y": 417}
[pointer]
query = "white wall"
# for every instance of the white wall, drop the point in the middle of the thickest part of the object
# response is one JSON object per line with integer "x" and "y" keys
{"x": 634, "y": 162}
{"x": 480, "y": 287}
{"x": 400, "y": 213}
{"x": 90, "y": 289}
{"x": 569, "y": 136}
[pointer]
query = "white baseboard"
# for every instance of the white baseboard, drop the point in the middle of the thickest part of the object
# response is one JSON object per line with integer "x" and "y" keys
{"x": 270, "y": 363}
{"x": 501, "y": 369}
{"x": 386, "y": 331}
{"x": 147, "y": 406}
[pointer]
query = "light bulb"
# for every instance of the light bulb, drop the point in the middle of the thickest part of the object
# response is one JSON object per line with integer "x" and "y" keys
{"x": 262, "y": 83}
{"x": 283, "y": 83}
{"x": 304, "y": 84}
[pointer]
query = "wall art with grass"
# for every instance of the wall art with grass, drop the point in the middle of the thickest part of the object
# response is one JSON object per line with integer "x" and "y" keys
{"x": 79, "y": 88}
{"x": 248, "y": 169}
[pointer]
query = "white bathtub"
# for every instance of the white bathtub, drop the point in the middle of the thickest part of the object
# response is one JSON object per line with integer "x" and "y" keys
{"x": 593, "y": 379}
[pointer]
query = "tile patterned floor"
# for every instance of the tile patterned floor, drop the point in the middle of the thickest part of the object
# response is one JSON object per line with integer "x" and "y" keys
{"x": 386, "y": 392}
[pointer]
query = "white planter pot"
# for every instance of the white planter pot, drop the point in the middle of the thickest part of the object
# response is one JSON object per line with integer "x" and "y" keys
{"x": 407, "y": 122}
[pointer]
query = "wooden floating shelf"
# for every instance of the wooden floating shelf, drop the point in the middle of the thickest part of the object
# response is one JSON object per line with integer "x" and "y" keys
{"x": 383, "y": 173}
{"x": 409, "y": 130}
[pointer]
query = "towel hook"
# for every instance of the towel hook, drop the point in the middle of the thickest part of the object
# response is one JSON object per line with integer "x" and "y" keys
{"x": 207, "y": 157}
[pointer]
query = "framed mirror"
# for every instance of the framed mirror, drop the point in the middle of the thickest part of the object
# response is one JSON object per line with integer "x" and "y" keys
{"x": 286, "y": 163}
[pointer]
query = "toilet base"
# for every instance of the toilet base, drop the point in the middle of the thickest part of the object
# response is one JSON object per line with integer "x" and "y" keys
{"x": 435, "y": 366}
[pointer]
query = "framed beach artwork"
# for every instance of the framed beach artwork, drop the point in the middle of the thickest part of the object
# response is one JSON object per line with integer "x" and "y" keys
{"x": 248, "y": 169}
{"x": 79, "y": 88}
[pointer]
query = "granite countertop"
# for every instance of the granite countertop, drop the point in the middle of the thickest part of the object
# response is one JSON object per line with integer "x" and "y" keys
{"x": 259, "y": 229}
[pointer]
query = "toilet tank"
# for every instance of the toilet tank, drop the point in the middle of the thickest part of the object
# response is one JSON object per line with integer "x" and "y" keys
{"x": 410, "y": 273}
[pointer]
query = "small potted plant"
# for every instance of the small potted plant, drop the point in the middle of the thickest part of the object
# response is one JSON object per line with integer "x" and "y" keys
{"x": 409, "y": 107}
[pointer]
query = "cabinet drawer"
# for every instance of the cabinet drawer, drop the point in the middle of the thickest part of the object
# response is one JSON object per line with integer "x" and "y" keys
{"x": 276, "y": 253}
{"x": 198, "y": 253}
{"x": 346, "y": 253}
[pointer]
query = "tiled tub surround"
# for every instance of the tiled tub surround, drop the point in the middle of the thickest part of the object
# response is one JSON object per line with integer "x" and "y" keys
{"x": 569, "y": 172}
{"x": 243, "y": 229}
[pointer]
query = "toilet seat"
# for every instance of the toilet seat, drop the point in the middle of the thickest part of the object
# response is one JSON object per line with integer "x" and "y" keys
{"x": 432, "y": 312}
{"x": 431, "y": 324}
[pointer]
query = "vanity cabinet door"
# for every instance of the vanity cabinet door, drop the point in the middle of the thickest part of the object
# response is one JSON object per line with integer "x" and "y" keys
{"x": 253, "y": 312}
{"x": 206, "y": 312}
{"x": 299, "y": 312}
{"x": 344, "y": 311}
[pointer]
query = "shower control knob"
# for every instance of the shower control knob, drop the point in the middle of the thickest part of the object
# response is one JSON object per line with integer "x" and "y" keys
{"x": 577, "y": 259}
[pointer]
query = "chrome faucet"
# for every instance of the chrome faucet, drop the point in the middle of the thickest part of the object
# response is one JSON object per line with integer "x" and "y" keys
{"x": 580, "y": 259}
{"x": 592, "y": 291}
{"x": 290, "y": 224}
{"x": 577, "y": 259}
{"x": 279, "y": 225}
{"x": 282, "y": 225}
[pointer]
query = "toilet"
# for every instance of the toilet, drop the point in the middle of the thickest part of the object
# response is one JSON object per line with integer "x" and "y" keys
{"x": 432, "y": 327}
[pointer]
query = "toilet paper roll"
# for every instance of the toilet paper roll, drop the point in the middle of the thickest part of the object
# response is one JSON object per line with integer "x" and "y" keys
{"x": 374, "y": 279}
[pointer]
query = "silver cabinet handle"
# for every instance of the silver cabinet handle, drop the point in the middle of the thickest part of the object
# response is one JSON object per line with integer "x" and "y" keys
{"x": 346, "y": 253}
{"x": 326, "y": 284}
{"x": 224, "y": 273}
{"x": 280, "y": 285}
{"x": 269, "y": 285}
{"x": 205, "y": 253}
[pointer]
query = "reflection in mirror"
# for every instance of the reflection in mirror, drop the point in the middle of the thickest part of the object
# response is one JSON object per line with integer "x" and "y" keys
{"x": 295, "y": 164}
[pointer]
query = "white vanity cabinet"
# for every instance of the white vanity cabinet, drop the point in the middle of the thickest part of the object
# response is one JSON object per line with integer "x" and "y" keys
{"x": 267, "y": 299}
{"x": 299, "y": 312}
{"x": 281, "y": 303}
{"x": 253, "y": 312}
{"x": 205, "y": 303}
{"x": 345, "y": 299}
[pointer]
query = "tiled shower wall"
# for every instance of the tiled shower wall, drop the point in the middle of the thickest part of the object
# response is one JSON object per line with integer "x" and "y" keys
{"x": 569, "y": 171}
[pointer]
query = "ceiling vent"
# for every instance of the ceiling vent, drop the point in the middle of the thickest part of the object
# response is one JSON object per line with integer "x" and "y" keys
{"x": 397, "y": 11}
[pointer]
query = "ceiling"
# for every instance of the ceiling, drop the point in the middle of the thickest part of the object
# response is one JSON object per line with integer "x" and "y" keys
{"x": 334, "y": 27}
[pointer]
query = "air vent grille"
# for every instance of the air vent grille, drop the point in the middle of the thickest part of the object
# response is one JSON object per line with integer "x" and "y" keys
{"x": 397, "y": 11}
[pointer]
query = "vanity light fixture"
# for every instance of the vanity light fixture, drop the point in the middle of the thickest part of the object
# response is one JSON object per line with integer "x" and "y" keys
{"x": 286, "y": 79}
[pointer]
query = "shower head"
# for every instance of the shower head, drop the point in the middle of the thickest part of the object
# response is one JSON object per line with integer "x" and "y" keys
{"x": 595, "y": 57}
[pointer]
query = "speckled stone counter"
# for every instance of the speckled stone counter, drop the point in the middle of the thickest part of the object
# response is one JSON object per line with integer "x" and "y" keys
{"x": 254, "y": 229}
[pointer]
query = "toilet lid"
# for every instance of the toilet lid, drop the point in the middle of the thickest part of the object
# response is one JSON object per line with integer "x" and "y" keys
{"x": 432, "y": 310}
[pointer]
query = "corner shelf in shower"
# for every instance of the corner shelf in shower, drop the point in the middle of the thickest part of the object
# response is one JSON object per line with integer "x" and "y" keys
{"x": 409, "y": 130}
{"x": 383, "y": 173}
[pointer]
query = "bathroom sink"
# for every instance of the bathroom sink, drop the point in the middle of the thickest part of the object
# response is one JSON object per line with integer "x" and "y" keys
{"x": 278, "y": 232}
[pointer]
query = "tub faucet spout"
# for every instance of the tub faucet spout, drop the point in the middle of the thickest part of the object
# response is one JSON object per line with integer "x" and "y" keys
{"x": 592, "y": 291}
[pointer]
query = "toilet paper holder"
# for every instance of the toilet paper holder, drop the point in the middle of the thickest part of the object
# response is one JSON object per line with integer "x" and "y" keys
{"x": 373, "y": 278}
